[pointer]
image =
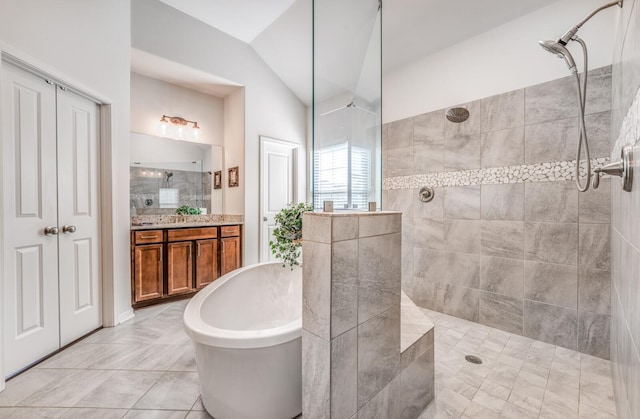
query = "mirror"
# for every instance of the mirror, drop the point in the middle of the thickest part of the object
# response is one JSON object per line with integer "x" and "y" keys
{"x": 165, "y": 174}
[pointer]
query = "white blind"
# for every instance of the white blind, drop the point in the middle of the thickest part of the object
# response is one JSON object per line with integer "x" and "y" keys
{"x": 342, "y": 174}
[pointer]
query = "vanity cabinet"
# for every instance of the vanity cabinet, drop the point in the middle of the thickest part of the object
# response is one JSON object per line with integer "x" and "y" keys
{"x": 177, "y": 262}
{"x": 147, "y": 264}
{"x": 230, "y": 249}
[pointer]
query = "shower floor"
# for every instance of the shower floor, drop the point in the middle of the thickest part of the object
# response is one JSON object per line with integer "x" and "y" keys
{"x": 145, "y": 368}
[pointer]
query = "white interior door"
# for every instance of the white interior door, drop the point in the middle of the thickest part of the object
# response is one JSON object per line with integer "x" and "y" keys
{"x": 30, "y": 258}
{"x": 78, "y": 215}
{"x": 277, "y": 182}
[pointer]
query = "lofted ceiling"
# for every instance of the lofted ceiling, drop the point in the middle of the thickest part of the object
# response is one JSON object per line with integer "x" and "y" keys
{"x": 280, "y": 30}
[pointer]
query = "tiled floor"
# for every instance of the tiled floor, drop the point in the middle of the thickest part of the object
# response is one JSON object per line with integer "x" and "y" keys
{"x": 520, "y": 378}
{"x": 146, "y": 369}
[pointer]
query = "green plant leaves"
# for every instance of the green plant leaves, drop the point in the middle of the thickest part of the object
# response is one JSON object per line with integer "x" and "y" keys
{"x": 187, "y": 210}
{"x": 288, "y": 233}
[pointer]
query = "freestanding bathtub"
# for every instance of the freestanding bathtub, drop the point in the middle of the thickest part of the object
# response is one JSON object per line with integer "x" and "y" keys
{"x": 246, "y": 328}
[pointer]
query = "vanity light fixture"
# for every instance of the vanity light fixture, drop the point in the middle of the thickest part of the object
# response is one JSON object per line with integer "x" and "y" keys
{"x": 180, "y": 124}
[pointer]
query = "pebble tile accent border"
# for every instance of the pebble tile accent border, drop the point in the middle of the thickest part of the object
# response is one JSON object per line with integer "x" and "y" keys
{"x": 529, "y": 173}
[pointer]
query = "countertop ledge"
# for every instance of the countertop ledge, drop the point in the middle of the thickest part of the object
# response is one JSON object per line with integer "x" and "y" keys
{"x": 184, "y": 225}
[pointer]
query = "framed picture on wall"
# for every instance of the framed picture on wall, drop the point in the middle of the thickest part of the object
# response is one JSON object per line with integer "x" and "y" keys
{"x": 233, "y": 177}
{"x": 217, "y": 179}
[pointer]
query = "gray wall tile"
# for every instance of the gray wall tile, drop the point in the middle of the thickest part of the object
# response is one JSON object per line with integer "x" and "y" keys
{"x": 549, "y": 141}
{"x": 503, "y": 202}
{"x": 378, "y": 339}
{"x": 399, "y": 162}
{"x": 551, "y": 242}
{"x": 502, "y": 239}
{"x": 502, "y": 148}
{"x": 595, "y": 248}
{"x": 462, "y": 152}
{"x": 379, "y": 274}
{"x": 385, "y": 404}
{"x": 551, "y": 283}
{"x": 398, "y": 200}
{"x": 462, "y": 202}
{"x": 504, "y": 313}
{"x": 429, "y": 127}
{"x": 316, "y": 290}
{"x": 344, "y": 375}
{"x": 376, "y": 224}
{"x": 462, "y": 236}
{"x": 400, "y": 133}
{"x": 446, "y": 267}
{"x": 417, "y": 386}
{"x": 460, "y": 301}
{"x": 344, "y": 228}
{"x": 427, "y": 158}
{"x": 595, "y": 204}
{"x": 550, "y": 101}
{"x": 551, "y": 324}
{"x": 503, "y": 111}
{"x": 316, "y": 228}
{"x": 315, "y": 376}
{"x": 551, "y": 202}
{"x": 344, "y": 286}
{"x": 428, "y": 233}
{"x": 593, "y": 334}
{"x": 594, "y": 290}
{"x": 502, "y": 276}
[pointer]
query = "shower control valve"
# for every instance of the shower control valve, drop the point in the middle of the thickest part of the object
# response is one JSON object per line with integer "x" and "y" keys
{"x": 622, "y": 168}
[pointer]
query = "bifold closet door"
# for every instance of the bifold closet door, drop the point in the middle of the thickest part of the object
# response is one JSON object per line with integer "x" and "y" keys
{"x": 78, "y": 216}
{"x": 30, "y": 257}
{"x": 51, "y": 287}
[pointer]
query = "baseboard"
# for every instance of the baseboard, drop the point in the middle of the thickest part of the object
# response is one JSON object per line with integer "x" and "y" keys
{"x": 127, "y": 315}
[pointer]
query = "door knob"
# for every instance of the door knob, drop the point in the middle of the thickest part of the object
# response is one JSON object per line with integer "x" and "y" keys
{"x": 50, "y": 231}
{"x": 68, "y": 229}
{"x": 264, "y": 218}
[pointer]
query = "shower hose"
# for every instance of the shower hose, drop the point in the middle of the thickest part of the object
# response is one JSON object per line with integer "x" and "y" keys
{"x": 582, "y": 136}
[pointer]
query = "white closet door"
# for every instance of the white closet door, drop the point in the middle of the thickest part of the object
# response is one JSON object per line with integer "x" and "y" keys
{"x": 78, "y": 216}
{"x": 30, "y": 258}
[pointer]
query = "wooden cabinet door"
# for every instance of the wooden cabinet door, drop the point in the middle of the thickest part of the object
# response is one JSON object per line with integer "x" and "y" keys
{"x": 206, "y": 262}
{"x": 229, "y": 254}
{"x": 179, "y": 267}
{"x": 148, "y": 272}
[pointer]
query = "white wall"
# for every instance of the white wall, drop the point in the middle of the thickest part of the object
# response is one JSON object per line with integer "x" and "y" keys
{"x": 234, "y": 151}
{"x": 271, "y": 109}
{"x": 87, "y": 44}
{"x": 500, "y": 60}
{"x": 152, "y": 98}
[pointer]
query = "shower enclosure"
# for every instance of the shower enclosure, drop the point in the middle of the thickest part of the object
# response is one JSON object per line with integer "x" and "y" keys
{"x": 347, "y": 103}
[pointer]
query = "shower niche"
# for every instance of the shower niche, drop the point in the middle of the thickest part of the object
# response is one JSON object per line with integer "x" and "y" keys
{"x": 167, "y": 174}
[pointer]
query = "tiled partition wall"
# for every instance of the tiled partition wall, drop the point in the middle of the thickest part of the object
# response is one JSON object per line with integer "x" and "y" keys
{"x": 352, "y": 365}
{"x": 508, "y": 241}
{"x": 625, "y": 218}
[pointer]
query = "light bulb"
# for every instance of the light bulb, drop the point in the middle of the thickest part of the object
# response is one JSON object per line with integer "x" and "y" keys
{"x": 180, "y": 131}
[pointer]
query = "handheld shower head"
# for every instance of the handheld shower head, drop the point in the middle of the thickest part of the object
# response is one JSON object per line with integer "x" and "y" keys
{"x": 560, "y": 51}
{"x": 168, "y": 175}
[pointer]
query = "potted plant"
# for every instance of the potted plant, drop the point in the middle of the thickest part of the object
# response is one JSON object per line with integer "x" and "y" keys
{"x": 287, "y": 236}
{"x": 187, "y": 210}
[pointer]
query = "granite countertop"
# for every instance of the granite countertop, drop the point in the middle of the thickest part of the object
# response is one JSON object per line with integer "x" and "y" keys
{"x": 185, "y": 224}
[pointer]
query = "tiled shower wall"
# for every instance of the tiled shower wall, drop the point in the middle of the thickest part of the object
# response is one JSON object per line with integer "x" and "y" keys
{"x": 145, "y": 184}
{"x": 508, "y": 241}
{"x": 625, "y": 302}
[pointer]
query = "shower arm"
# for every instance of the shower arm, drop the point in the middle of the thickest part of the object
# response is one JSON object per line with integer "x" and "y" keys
{"x": 564, "y": 39}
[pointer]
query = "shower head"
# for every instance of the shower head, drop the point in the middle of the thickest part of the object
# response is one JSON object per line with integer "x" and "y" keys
{"x": 168, "y": 175}
{"x": 555, "y": 47}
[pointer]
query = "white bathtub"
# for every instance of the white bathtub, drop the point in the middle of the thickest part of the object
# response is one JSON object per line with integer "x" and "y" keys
{"x": 246, "y": 328}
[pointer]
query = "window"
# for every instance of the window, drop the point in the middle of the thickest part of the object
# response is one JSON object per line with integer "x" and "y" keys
{"x": 342, "y": 174}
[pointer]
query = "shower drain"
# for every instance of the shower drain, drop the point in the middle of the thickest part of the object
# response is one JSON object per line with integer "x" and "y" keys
{"x": 473, "y": 359}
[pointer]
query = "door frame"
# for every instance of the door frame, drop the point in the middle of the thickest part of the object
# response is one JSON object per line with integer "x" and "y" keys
{"x": 295, "y": 147}
{"x": 105, "y": 187}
